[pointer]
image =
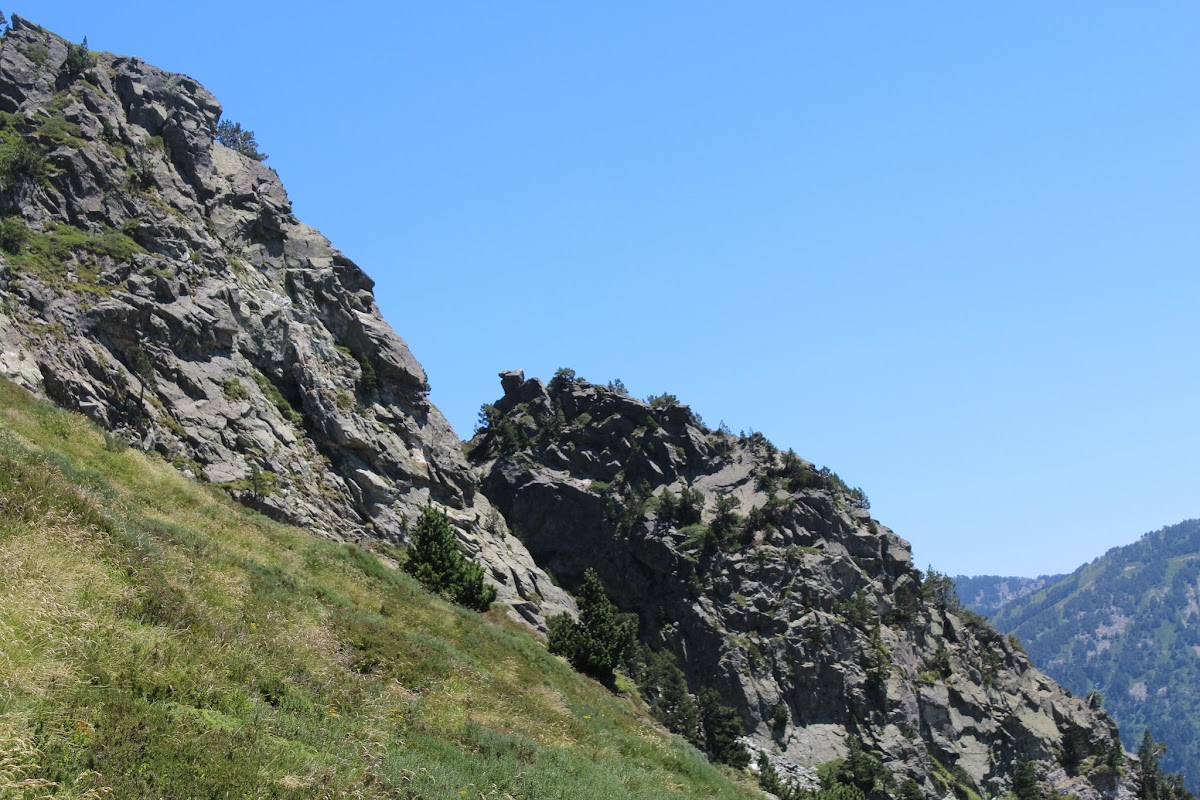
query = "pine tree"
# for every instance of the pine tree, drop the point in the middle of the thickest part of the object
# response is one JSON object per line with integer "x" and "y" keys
{"x": 235, "y": 137}
{"x": 1025, "y": 782}
{"x": 1150, "y": 786}
{"x": 911, "y": 790}
{"x": 722, "y": 726}
{"x": 435, "y": 560}
{"x": 595, "y": 642}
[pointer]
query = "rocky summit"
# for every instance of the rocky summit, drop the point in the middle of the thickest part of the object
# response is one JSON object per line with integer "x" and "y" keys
{"x": 155, "y": 279}
{"x": 770, "y": 583}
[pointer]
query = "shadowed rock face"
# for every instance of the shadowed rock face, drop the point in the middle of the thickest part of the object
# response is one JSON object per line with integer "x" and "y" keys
{"x": 185, "y": 308}
{"x": 806, "y": 615}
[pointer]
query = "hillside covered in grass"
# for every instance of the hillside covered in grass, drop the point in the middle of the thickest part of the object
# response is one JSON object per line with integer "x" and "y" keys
{"x": 158, "y": 640}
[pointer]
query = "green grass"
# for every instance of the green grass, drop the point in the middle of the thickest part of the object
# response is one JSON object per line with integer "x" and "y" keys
{"x": 62, "y": 250}
{"x": 157, "y": 640}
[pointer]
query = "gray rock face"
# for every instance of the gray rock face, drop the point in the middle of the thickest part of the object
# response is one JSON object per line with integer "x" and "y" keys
{"x": 186, "y": 308}
{"x": 805, "y": 614}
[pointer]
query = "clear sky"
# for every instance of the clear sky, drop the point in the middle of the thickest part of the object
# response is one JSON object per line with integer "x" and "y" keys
{"x": 950, "y": 250}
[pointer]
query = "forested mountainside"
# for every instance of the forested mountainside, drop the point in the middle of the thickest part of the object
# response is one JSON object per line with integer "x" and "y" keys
{"x": 1127, "y": 626}
{"x": 154, "y": 279}
{"x": 767, "y": 581}
{"x": 987, "y": 594}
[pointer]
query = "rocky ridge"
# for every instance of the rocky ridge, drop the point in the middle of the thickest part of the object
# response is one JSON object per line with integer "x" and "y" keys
{"x": 159, "y": 282}
{"x": 784, "y": 595}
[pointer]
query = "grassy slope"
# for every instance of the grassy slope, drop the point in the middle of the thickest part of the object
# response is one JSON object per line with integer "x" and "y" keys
{"x": 157, "y": 640}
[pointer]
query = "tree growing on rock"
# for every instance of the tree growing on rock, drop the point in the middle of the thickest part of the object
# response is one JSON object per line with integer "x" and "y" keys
{"x": 235, "y": 137}
{"x": 434, "y": 559}
{"x": 79, "y": 58}
{"x": 1025, "y": 782}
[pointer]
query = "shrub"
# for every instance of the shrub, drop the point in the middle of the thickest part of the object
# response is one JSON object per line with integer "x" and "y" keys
{"x": 662, "y": 400}
{"x": 37, "y": 53}
{"x": 690, "y": 507}
{"x": 79, "y": 58}
{"x": 939, "y": 590}
{"x": 22, "y": 165}
{"x": 1025, "y": 782}
{"x": 434, "y": 559}
{"x": 859, "y": 770}
{"x": 563, "y": 377}
{"x": 725, "y": 517}
{"x": 272, "y": 393}
{"x": 13, "y": 234}
{"x": 911, "y": 790}
{"x": 234, "y": 390}
{"x": 781, "y": 716}
{"x": 595, "y": 642}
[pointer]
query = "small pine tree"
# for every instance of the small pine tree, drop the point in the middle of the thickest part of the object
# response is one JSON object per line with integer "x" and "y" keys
{"x": 768, "y": 776}
{"x": 1150, "y": 773}
{"x": 79, "y": 58}
{"x": 434, "y": 559}
{"x": 1025, "y": 782}
{"x": 235, "y": 137}
{"x": 595, "y": 642}
{"x": 665, "y": 690}
{"x": 863, "y": 770}
{"x": 911, "y": 790}
{"x": 722, "y": 726}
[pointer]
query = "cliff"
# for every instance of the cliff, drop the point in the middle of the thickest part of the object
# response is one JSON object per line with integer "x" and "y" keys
{"x": 159, "y": 282}
{"x": 781, "y": 593}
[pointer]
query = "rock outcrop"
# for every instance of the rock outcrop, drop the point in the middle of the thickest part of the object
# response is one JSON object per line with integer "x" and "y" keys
{"x": 783, "y": 594}
{"x": 159, "y": 282}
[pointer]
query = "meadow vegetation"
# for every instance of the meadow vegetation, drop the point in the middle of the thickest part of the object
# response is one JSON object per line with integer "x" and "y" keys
{"x": 158, "y": 640}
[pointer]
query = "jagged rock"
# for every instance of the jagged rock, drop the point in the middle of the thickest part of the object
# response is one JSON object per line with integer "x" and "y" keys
{"x": 809, "y": 606}
{"x": 195, "y": 315}
{"x": 511, "y": 379}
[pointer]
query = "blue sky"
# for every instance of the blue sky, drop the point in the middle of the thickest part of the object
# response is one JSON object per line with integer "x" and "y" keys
{"x": 949, "y": 250}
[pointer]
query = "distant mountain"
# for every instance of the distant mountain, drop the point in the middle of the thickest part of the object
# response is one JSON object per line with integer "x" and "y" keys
{"x": 987, "y": 594}
{"x": 1126, "y": 625}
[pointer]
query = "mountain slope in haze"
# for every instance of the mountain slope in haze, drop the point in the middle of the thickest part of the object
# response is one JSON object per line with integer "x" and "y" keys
{"x": 769, "y": 583}
{"x": 157, "y": 640}
{"x": 157, "y": 281}
{"x": 987, "y": 594}
{"x": 1127, "y": 625}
